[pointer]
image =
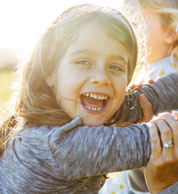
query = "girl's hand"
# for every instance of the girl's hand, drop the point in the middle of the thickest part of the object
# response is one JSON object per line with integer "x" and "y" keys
{"x": 162, "y": 168}
{"x": 140, "y": 85}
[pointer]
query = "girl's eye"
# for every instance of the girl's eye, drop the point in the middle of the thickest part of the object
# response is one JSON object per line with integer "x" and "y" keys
{"x": 115, "y": 68}
{"x": 83, "y": 62}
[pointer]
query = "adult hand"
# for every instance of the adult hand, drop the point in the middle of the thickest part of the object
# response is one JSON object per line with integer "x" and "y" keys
{"x": 146, "y": 106}
{"x": 147, "y": 109}
{"x": 162, "y": 168}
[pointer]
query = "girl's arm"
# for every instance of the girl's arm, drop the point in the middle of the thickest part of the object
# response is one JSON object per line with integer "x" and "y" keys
{"x": 74, "y": 151}
{"x": 82, "y": 151}
{"x": 163, "y": 94}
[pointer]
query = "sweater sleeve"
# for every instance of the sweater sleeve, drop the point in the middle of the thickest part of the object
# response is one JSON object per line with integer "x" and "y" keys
{"x": 70, "y": 158}
{"x": 173, "y": 189}
{"x": 163, "y": 95}
{"x": 82, "y": 151}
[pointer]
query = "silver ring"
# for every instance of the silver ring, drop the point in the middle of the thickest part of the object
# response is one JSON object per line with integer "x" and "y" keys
{"x": 167, "y": 144}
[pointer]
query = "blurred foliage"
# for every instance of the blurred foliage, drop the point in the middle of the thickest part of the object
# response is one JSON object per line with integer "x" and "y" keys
{"x": 8, "y": 61}
{"x": 6, "y": 78}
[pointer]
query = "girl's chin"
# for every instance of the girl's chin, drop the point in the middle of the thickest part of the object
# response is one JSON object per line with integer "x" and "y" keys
{"x": 93, "y": 122}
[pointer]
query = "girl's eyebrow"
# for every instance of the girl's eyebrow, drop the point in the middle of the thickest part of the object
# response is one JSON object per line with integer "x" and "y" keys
{"x": 88, "y": 51}
{"x": 119, "y": 57}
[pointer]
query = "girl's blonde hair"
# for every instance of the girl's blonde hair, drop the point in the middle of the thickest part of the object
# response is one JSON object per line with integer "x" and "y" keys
{"x": 167, "y": 10}
{"x": 168, "y": 13}
{"x": 35, "y": 102}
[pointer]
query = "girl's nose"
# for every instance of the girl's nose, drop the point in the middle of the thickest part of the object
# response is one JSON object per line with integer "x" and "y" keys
{"x": 100, "y": 79}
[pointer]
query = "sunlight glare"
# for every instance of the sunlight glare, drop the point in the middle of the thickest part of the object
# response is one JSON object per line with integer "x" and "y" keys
{"x": 22, "y": 21}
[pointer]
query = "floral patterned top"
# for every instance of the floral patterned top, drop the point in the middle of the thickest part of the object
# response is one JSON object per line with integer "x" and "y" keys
{"x": 156, "y": 70}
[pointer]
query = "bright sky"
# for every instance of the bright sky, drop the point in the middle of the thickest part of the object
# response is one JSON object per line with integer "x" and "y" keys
{"x": 22, "y": 21}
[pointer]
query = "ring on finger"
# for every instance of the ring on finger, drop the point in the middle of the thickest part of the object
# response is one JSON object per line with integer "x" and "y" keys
{"x": 167, "y": 144}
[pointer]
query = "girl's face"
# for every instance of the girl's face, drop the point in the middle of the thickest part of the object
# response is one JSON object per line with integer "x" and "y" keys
{"x": 92, "y": 76}
{"x": 156, "y": 44}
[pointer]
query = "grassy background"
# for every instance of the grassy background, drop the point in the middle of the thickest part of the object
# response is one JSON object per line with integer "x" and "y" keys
{"x": 6, "y": 78}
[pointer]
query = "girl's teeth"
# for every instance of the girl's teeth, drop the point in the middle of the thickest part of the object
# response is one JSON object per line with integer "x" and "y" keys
{"x": 96, "y": 96}
{"x": 93, "y": 108}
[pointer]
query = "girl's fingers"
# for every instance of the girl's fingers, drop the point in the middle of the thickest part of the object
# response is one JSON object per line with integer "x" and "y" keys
{"x": 150, "y": 81}
{"x": 140, "y": 85}
{"x": 133, "y": 86}
{"x": 155, "y": 141}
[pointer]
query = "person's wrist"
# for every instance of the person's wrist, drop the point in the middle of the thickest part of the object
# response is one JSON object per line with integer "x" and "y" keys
{"x": 155, "y": 190}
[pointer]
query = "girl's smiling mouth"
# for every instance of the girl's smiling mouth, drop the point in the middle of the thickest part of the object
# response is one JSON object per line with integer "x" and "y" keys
{"x": 94, "y": 102}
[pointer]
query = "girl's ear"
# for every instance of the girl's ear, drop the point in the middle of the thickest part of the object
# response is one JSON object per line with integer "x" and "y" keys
{"x": 171, "y": 35}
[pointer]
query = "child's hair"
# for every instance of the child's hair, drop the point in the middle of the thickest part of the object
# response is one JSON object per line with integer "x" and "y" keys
{"x": 35, "y": 101}
{"x": 167, "y": 11}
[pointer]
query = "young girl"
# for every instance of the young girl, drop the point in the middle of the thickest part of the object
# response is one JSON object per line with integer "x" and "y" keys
{"x": 161, "y": 43}
{"x": 73, "y": 83}
{"x": 161, "y": 58}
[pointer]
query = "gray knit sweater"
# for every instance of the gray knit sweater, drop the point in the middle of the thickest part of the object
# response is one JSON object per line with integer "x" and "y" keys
{"x": 71, "y": 159}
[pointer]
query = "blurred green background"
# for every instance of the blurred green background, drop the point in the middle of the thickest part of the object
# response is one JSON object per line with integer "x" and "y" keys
{"x": 6, "y": 78}
{"x": 8, "y": 61}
